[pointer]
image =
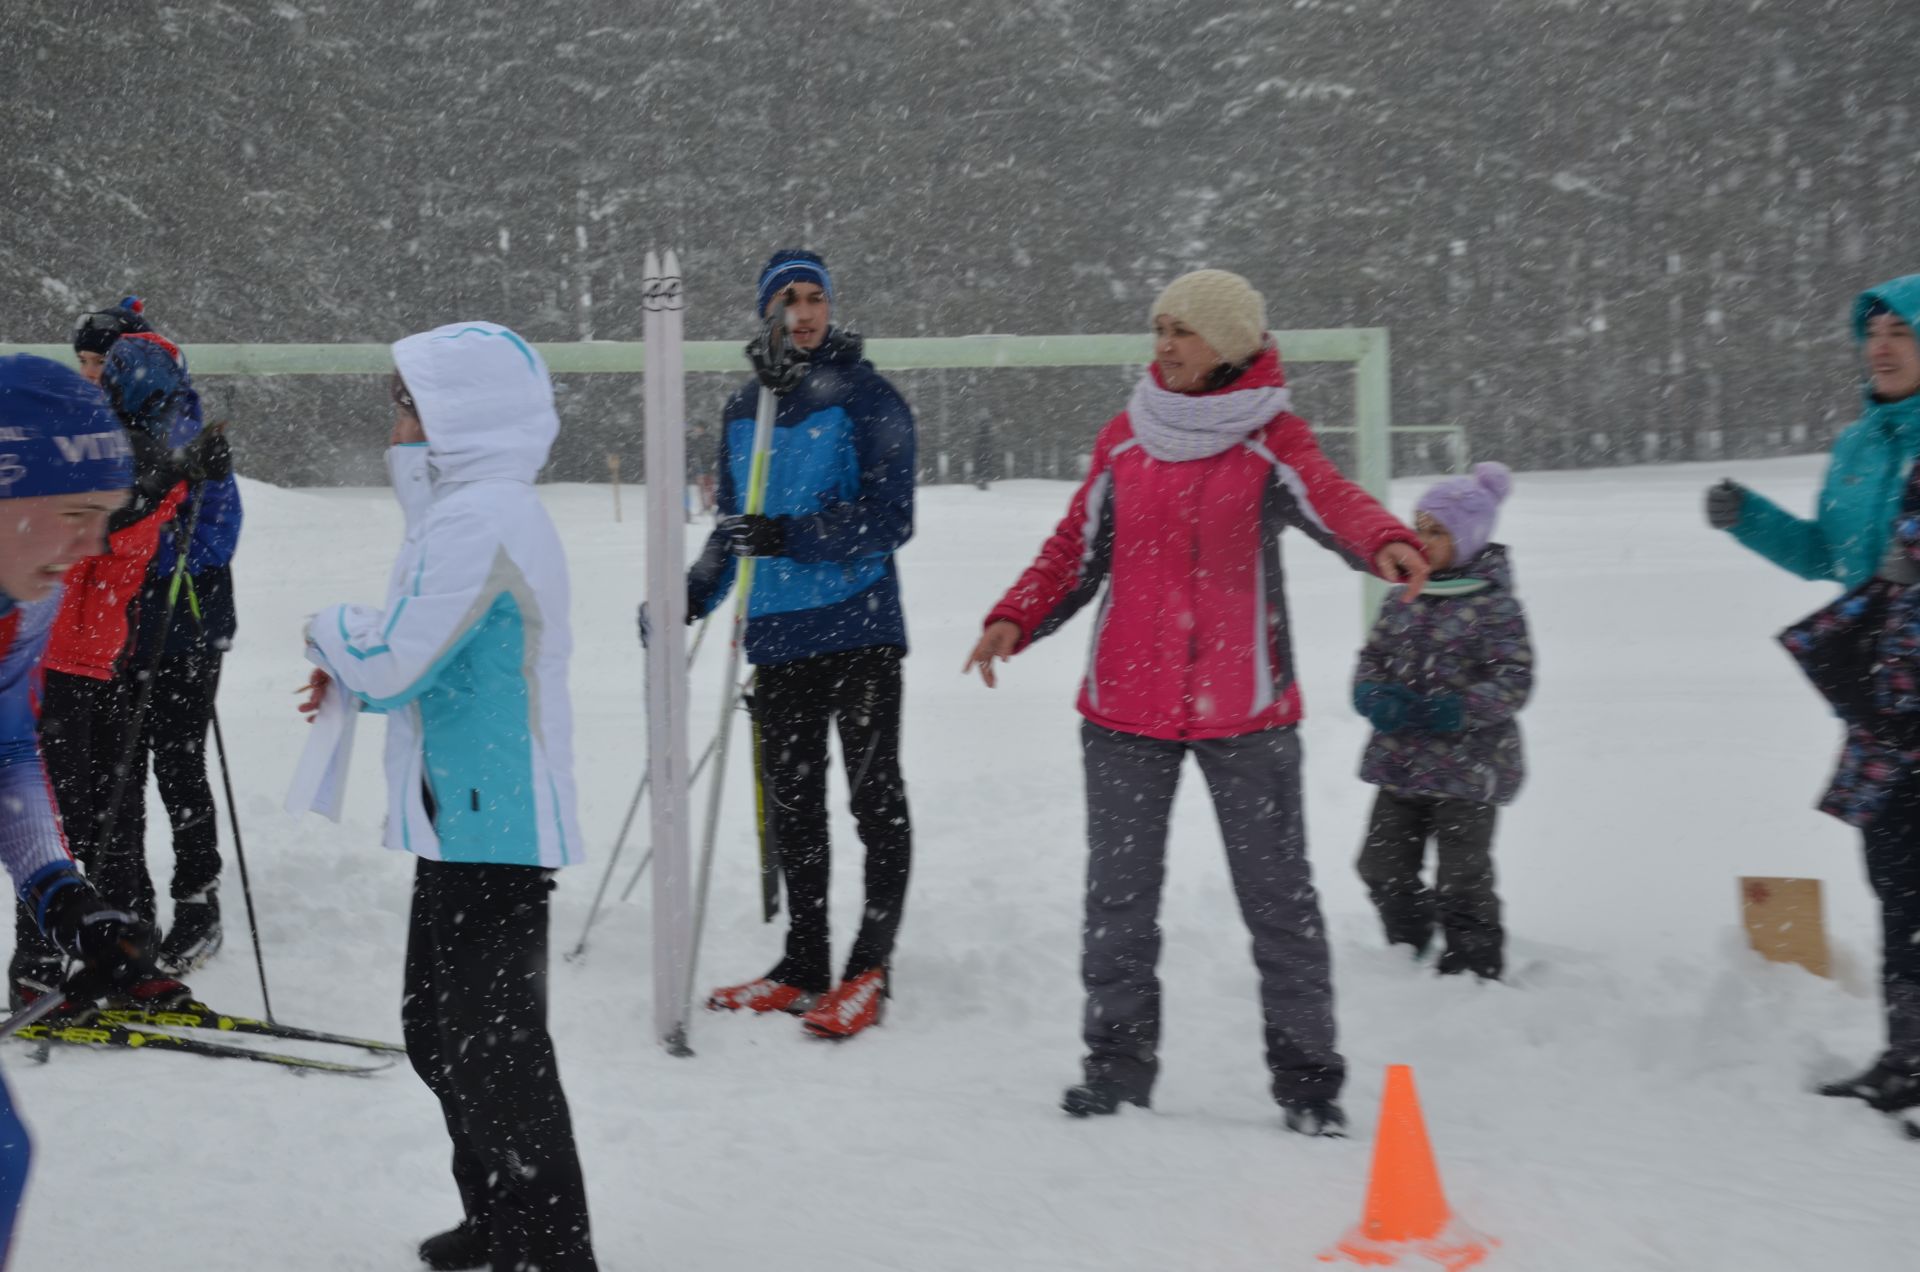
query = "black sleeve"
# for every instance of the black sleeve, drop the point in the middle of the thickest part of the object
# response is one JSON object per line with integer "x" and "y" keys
{"x": 155, "y": 472}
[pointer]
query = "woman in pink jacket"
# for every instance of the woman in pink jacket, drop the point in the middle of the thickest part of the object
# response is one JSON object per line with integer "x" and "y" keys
{"x": 1180, "y": 517}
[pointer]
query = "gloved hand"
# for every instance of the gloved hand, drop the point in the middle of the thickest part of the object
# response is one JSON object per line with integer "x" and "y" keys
{"x": 1723, "y": 504}
{"x": 646, "y": 625}
{"x": 776, "y": 362}
{"x": 113, "y": 949}
{"x": 753, "y": 536}
{"x": 208, "y": 457}
{"x": 1439, "y": 713}
{"x": 1388, "y": 706}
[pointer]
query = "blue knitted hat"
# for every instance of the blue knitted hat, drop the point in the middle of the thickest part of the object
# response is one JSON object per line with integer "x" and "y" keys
{"x": 97, "y": 331}
{"x": 144, "y": 381}
{"x": 787, "y": 267}
{"x": 57, "y": 435}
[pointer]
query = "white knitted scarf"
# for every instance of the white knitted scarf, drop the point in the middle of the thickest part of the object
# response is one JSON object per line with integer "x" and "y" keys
{"x": 1181, "y": 426}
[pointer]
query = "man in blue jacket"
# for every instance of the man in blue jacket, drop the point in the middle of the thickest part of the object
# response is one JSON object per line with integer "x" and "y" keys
{"x": 826, "y": 635}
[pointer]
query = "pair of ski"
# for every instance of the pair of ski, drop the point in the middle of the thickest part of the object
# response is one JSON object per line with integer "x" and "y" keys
{"x": 183, "y": 1031}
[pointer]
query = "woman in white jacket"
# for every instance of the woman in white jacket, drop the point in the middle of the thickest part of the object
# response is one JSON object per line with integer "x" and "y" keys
{"x": 468, "y": 661}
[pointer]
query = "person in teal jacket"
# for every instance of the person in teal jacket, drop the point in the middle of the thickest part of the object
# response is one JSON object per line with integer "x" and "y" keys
{"x": 1851, "y": 541}
{"x": 1860, "y": 497}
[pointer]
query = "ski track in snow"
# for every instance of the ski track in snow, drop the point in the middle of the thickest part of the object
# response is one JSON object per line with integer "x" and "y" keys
{"x": 1638, "y": 1102}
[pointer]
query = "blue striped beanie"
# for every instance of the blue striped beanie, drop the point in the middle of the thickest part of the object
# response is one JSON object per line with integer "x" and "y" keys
{"x": 787, "y": 267}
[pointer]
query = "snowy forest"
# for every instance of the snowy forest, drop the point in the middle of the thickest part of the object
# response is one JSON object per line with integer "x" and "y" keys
{"x": 1600, "y": 231}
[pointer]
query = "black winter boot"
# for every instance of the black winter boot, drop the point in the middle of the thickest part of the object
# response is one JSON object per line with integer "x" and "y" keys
{"x": 1095, "y": 1098}
{"x": 467, "y": 1246}
{"x": 1887, "y": 1086}
{"x": 195, "y": 936}
{"x": 29, "y": 976}
{"x": 1315, "y": 1117}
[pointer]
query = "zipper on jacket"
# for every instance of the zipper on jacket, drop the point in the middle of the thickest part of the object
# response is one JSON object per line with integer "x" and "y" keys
{"x": 1193, "y": 610}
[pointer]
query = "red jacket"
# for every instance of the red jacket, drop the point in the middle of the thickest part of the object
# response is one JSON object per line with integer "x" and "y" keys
{"x": 92, "y": 630}
{"x": 1191, "y": 639}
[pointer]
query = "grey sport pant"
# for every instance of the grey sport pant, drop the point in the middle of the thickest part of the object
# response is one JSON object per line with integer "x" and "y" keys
{"x": 1255, "y": 782}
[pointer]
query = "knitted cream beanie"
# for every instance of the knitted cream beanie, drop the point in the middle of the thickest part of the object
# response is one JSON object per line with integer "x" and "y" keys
{"x": 1222, "y": 308}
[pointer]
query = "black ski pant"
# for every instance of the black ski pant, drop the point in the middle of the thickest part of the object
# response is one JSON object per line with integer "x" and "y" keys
{"x": 83, "y": 737}
{"x": 794, "y": 703}
{"x": 1255, "y": 782}
{"x": 1893, "y": 868}
{"x": 1462, "y": 902}
{"x": 474, "y": 1017}
{"x": 175, "y": 734}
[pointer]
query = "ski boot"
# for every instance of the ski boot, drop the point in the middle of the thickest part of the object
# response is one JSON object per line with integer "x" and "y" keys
{"x": 761, "y": 995}
{"x": 853, "y": 1006}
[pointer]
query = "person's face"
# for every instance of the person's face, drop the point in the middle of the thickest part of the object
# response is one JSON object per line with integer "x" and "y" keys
{"x": 1436, "y": 540}
{"x": 807, "y": 314}
{"x": 407, "y": 428}
{"x": 1893, "y": 358}
{"x": 92, "y": 364}
{"x": 1184, "y": 359}
{"x": 41, "y": 537}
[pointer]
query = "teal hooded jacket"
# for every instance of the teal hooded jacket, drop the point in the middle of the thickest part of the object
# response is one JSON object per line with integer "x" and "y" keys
{"x": 1866, "y": 474}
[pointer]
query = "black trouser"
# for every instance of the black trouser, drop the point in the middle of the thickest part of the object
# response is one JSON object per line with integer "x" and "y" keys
{"x": 1893, "y": 868}
{"x": 175, "y": 733}
{"x": 83, "y": 728}
{"x": 1462, "y": 901}
{"x": 794, "y": 702}
{"x": 474, "y": 1017}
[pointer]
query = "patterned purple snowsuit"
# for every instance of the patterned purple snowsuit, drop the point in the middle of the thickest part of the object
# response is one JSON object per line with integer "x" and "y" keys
{"x": 1474, "y": 646}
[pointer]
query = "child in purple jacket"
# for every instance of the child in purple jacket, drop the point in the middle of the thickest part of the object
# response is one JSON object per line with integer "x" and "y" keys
{"x": 1441, "y": 679}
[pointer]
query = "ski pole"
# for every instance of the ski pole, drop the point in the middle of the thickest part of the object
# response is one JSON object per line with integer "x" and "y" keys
{"x": 626, "y": 825}
{"x": 240, "y": 857}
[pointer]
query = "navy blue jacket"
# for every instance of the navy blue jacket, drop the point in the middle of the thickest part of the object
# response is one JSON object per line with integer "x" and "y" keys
{"x": 216, "y": 534}
{"x": 840, "y": 484}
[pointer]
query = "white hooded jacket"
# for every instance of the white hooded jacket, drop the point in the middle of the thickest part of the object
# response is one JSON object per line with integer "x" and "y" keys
{"x": 468, "y": 657}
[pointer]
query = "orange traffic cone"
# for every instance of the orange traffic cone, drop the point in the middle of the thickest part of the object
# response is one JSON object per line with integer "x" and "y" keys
{"x": 1406, "y": 1209}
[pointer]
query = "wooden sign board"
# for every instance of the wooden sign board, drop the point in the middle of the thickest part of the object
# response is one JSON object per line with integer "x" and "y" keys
{"x": 1785, "y": 921}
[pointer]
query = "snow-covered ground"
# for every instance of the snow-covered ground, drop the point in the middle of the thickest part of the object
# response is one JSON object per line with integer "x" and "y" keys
{"x": 1637, "y": 1102}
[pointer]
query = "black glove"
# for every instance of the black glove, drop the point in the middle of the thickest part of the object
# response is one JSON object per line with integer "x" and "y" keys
{"x": 1723, "y": 504}
{"x": 112, "y": 948}
{"x": 776, "y": 362}
{"x": 207, "y": 457}
{"x": 753, "y": 536}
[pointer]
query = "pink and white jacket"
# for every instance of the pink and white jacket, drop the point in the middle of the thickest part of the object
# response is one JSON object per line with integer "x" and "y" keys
{"x": 1191, "y": 638}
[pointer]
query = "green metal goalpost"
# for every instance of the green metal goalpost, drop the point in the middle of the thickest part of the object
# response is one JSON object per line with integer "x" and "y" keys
{"x": 1366, "y": 348}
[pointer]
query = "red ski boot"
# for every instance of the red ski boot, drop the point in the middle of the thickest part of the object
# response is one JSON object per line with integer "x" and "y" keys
{"x": 852, "y": 1007}
{"x": 762, "y": 995}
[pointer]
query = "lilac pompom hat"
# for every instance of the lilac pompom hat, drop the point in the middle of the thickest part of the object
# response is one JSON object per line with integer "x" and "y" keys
{"x": 1469, "y": 506}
